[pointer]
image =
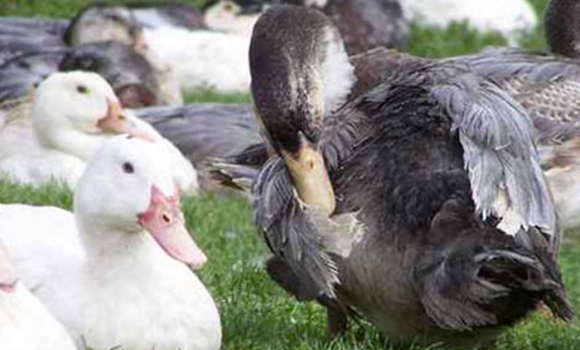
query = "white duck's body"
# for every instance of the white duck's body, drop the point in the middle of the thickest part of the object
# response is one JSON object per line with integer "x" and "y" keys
{"x": 50, "y": 140}
{"x": 105, "y": 278}
{"x": 508, "y": 17}
{"x": 203, "y": 58}
{"x": 24, "y": 322}
{"x": 26, "y": 325}
{"x": 24, "y": 160}
{"x": 136, "y": 296}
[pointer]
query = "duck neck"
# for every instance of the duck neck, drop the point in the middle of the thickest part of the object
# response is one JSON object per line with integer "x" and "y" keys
{"x": 563, "y": 27}
{"x": 69, "y": 141}
{"x": 106, "y": 245}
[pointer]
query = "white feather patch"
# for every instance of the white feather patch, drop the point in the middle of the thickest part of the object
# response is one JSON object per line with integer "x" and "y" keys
{"x": 337, "y": 73}
{"x": 511, "y": 222}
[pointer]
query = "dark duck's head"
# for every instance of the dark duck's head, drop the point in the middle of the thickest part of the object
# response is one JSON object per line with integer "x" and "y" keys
{"x": 563, "y": 27}
{"x": 300, "y": 72}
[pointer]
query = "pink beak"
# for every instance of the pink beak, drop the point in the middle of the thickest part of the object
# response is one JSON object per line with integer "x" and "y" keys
{"x": 115, "y": 122}
{"x": 165, "y": 222}
{"x": 8, "y": 278}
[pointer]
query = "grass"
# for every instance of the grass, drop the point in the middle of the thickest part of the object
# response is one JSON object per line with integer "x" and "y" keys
{"x": 213, "y": 96}
{"x": 255, "y": 313}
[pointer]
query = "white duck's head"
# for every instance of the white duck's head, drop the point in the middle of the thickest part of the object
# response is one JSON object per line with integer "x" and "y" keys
{"x": 74, "y": 112}
{"x": 8, "y": 277}
{"x": 128, "y": 188}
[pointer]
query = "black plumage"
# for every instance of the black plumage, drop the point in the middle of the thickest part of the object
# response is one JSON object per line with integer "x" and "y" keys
{"x": 420, "y": 164}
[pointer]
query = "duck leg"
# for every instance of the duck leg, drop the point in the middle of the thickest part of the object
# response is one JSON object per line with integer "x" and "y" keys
{"x": 337, "y": 317}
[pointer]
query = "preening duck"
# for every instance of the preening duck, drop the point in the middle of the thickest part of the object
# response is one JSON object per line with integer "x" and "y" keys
{"x": 24, "y": 321}
{"x": 545, "y": 84}
{"x": 115, "y": 272}
{"x": 59, "y": 137}
{"x": 441, "y": 224}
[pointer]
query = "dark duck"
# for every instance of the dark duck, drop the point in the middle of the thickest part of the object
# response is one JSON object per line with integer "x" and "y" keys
{"x": 420, "y": 204}
{"x": 546, "y": 84}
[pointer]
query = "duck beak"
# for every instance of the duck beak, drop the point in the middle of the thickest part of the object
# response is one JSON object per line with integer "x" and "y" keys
{"x": 165, "y": 222}
{"x": 8, "y": 278}
{"x": 116, "y": 122}
{"x": 310, "y": 176}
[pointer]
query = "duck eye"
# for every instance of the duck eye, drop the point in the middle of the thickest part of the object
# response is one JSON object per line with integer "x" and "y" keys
{"x": 128, "y": 168}
{"x": 82, "y": 89}
{"x": 228, "y": 6}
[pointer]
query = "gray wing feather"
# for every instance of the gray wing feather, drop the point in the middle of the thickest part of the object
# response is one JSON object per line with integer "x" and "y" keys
{"x": 499, "y": 153}
{"x": 547, "y": 86}
{"x": 289, "y": 231}
{"x": 503, "y": 64}
{"x": 205, "y": 129}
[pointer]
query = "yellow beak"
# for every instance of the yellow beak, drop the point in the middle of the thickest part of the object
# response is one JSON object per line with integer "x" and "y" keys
{"x": 310, "y": 177}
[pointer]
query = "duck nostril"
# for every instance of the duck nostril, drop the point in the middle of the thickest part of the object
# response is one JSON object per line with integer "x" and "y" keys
{"x": 122, "y": 118}
{"x": 166, "y": 218}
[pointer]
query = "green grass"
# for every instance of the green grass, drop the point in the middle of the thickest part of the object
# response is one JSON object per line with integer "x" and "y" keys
{"x": 213, "y": 96}
{"x": 255, "y": 313}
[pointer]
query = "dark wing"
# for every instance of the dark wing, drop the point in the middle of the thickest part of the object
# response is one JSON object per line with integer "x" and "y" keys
{"x": 494, "y": 131}
{"x": 499, "y": 155}
{"x": 290, "y": 232}
{"x": 205, "y": 129}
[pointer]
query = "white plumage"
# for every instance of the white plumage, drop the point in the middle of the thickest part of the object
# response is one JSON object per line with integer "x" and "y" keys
{"x": 102, "y": 272}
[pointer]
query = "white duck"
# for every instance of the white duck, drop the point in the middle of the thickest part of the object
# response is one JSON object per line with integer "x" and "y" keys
{"x": 507, "y": 17}
{"x": 114, "y": 272}
{"x": 71, "y": 115}
{"x": 24, "y": 323}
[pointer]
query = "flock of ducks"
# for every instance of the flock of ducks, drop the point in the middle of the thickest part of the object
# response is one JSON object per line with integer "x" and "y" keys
{"x": 427, "y": 196}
